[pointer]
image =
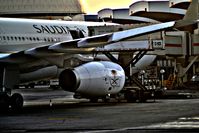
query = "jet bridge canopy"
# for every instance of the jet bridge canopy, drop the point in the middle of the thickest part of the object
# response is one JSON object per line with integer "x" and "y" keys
{"x": 121, "y": 16}
{"x": 157, "y": 10}
{"x": 182, "y": 4}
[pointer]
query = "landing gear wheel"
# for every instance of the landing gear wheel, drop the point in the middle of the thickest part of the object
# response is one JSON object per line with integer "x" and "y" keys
{"x": 16, "y": 102}
{"x": 4, "y": 102}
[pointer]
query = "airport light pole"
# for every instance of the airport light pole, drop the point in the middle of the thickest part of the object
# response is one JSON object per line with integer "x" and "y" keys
{"x": 162, "y": 71}
{"x": 142, "y": 72}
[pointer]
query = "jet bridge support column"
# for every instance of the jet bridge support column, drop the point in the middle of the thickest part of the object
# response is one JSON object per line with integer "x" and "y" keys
{"x": 111, "y": 57}
{"x": 136, "y": 59}
{"x": 127, "y": 60}
{"x": 131, "y": 93}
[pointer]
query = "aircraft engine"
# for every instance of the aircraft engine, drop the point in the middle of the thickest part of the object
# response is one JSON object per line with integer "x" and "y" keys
{"x": 93, "y": 79}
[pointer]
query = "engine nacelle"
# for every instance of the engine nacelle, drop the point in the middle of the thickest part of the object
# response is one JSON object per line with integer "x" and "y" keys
{"x": 93, "y": 79}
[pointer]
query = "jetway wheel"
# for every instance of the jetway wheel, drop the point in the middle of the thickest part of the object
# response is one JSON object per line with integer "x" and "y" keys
{"x": 131, "y": 96}
{"x": 16, "y": 102}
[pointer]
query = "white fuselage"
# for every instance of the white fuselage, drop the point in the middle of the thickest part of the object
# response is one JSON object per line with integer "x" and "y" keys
{"x": 21, "y": 34}
{"x": 27, "y": 34}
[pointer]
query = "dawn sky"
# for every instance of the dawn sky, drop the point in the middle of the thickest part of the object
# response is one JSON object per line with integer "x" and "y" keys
{"x": 93, "y": 6}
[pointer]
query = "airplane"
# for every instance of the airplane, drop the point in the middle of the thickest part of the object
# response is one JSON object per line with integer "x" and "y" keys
{"x": 39, "y": 49}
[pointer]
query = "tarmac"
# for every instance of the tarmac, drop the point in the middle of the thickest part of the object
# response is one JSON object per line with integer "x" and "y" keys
{"x": 56, "y": 111}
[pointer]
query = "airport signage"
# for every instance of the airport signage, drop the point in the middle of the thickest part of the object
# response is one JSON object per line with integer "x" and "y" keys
{"x": 157, "y": 44}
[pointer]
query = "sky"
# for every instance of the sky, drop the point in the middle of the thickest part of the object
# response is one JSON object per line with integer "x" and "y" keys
{"x": 93, "y": 6}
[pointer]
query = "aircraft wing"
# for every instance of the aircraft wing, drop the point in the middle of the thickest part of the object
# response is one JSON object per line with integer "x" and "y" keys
{"x": 90, "y": 43}
{"x": 82, "y": 45}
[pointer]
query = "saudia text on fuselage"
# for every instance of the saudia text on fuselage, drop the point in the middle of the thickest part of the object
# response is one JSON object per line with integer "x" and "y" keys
{"x": 51, "y": 29}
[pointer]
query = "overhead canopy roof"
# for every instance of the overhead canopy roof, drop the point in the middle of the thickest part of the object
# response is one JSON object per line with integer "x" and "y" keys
{"x": 183, "y": 4}
{"x": 39, "y": 7}
{"x": 157, "y": 10}
{"x": 121, "y": 16}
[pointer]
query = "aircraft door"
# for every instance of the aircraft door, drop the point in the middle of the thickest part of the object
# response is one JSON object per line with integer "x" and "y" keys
{"x": 76, "y": 34}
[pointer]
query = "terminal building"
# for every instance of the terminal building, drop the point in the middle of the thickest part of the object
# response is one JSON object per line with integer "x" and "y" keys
{"x": 48, "y": 9}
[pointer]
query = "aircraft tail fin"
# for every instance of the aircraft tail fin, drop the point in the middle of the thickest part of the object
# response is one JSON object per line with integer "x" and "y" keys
{"x": 192, "y": 11}
{"x": 188, "y": 23}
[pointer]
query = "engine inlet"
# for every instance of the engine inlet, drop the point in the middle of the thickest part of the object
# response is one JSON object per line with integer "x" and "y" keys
{"x": 68, "y": 80}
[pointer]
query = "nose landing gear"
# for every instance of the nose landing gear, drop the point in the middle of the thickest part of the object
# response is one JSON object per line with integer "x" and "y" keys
{"x": 14, "y": 102}
{"x": 4, "y": 102}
